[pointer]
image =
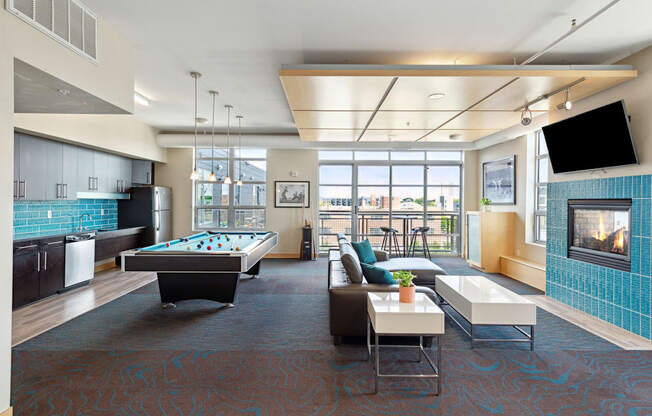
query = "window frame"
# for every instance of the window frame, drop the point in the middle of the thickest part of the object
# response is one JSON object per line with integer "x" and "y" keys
{"x": 538, "y": 185}
{"x": 231, "y": 208}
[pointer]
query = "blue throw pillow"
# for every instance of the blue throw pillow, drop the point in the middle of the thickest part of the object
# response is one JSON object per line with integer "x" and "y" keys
{"x": 375, "y": 274}
{"x": 365, "y": 252}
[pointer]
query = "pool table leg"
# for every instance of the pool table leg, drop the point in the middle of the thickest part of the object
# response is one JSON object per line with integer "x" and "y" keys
{"x": 254, "y": 270}
{"x": 218, "y": 287}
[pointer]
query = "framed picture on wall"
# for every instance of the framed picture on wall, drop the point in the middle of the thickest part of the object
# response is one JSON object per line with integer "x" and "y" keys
{"x": 291, "y": 194}
{"x": 499, "y": 181}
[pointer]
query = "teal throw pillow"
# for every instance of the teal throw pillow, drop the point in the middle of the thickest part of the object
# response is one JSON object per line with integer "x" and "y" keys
{"x": 378, "y": 275}
{"x": 365, "y": 252}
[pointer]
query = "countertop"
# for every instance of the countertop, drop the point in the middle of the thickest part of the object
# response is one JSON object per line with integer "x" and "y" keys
{"x": 99, "y": 235}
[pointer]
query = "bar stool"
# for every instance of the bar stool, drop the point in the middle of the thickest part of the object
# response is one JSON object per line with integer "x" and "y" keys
{"x": 414, "y": 235}
{"x": 389, "y": 239}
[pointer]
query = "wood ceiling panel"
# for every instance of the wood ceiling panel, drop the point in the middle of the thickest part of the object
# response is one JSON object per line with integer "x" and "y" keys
{"x": 331, "y": 119}
{"x": 388, "y": 135}
{"x": 419, "y": 120}
{"x": 411, "y": 93}
{"x": 329, "y": 135}
{"x": 334, "y": 93}
{"x": 443, "y": 135}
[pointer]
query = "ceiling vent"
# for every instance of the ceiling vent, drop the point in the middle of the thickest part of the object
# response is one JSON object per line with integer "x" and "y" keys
{"x": 69, "y": 22}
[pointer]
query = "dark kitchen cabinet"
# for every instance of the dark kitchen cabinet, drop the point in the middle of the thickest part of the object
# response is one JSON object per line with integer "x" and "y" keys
{"x": 53, "y": 268}
{"x": 111, "y": 247}
{"x": 26, "y": 279}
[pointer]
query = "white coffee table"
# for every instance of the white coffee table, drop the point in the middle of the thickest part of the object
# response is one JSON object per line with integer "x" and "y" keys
{"x": 481, "y": 301}
{"x": 389, "y": 317}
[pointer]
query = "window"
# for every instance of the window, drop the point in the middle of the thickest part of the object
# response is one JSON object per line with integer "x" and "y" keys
{"x": 361, "y": 192}
{"x": 540, "y": 184}
{"x": 222, "y": 206}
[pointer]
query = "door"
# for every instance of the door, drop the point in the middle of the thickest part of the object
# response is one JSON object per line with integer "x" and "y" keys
{"x": 53, "y": 169}
{"x": 142, "y": 172}
{"x": 101, "y": 171}
{"x": 125, "y": 173}
{"x": 85, "y": 170}
{"x": 33, "y": 168}
{"x": 474, "y": 239}
{"x": 25, "y": 276}
{"x": 162, "y": 226}
{"x": 70, "y": 171}
{"x": 162, "y": 198}
{"x": 53, "y": 269}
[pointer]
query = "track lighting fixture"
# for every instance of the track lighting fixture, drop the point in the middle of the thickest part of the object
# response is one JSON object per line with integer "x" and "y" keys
{"x": 526, "y": 116}
{"x": 195, "y": 174}
{"x": 567, "y": 103}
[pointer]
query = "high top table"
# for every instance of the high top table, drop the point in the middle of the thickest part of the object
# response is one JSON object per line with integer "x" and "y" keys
{"x": 483, "y": 302}
{"x": 389, "y": 317}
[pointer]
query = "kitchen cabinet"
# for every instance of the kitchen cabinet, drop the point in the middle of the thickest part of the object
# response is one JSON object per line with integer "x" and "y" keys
{"x": 52, "y": 181}
{"x": 26, "y": 275}
{"x": 32, "y": 167}
{"x": 85, "y": 170}
{"x": 101, "y": 171}
{"x": 70, "y": 182}
{"x": 126, "y": 172}
{"x": 489, "y": 235}
{"x": 53, "y": 268}
{"x": 142, "y": 172}
{"x": 39, "y": 269}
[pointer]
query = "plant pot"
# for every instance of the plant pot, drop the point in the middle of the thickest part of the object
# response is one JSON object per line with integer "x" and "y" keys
{"x": 486, "y": 208}
{"x": 406, "y": 294}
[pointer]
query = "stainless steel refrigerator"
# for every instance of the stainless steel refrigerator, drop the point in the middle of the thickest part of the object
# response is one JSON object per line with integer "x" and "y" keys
{"x": 149, "y": 206}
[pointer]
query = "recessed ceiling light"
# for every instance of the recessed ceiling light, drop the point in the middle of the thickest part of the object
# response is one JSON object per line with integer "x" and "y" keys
{"x": 202, "y": 120}
{"x": 141, "y": 99}
{"x": 436, "y": 95}
{"x": 454, "y": 137}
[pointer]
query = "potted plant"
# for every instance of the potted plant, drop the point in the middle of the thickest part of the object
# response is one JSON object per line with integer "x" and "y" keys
{"x": 406, "y": 288}
{"x": 485, "y": 203}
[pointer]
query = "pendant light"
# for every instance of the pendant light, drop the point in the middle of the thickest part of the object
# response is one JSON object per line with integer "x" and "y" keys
{"x": 195, "y": 174}
{"x": 239, "y": 182}
{"x": 212, "y": 177}
{"x": 568, "y": 105}
{"x": 227, "y": 179}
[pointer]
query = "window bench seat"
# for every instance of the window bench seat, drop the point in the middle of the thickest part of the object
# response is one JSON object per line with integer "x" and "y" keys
{"x": 524, "y": 270}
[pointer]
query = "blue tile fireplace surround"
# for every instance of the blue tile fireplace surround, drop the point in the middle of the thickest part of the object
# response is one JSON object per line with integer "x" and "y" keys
{"x": 619, "y": 297}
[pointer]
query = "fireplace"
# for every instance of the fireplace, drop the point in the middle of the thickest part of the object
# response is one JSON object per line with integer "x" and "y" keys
{"x": 599, "y": 232}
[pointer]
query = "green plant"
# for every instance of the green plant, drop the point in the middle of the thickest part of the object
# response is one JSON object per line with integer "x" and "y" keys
{"x": 485, "y": 201}
{"x": 403, "y": 277}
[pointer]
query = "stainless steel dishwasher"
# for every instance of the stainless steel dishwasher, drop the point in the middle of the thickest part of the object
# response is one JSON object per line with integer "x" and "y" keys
{"x": 80, "y": 259}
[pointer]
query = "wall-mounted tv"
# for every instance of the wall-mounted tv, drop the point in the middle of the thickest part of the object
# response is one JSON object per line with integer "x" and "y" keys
{"x": 597, "y": 139}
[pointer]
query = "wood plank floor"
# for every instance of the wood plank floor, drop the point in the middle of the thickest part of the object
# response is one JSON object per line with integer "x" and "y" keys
{"x": 616, "y": 335}
{"x": 36, "y": 318}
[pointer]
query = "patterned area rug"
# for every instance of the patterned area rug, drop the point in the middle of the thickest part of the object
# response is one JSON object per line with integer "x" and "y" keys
{"x": 272, "y": 355}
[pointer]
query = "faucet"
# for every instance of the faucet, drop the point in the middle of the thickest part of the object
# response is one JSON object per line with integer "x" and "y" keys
{"x": 81, "y": 219}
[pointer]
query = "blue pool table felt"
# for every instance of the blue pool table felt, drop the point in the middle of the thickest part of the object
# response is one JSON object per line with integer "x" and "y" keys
{"x": 210, "y": 242}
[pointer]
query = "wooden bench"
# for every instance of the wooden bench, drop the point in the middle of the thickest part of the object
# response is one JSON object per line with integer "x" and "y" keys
{"x": 524, "y": 270}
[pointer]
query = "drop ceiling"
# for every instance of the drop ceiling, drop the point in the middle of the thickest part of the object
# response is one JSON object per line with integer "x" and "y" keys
{"x": 392, "y": 103}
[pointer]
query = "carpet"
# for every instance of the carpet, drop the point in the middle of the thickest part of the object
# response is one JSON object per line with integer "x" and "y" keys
{"x": 272, "y": 355}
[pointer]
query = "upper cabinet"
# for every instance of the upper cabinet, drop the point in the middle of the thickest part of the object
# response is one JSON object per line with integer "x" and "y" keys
{"x": 142, "y": 172}
{"x": 50, "y": 170}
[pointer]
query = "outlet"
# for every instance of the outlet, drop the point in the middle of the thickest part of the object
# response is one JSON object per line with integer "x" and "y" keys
{"x": 49, "y": 214}
{"x": 102, "y": 211}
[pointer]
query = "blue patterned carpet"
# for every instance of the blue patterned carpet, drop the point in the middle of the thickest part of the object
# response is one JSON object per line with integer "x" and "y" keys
{"x": 272, "y": 355}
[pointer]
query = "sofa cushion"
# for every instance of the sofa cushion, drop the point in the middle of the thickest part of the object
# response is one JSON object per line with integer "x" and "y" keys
{"x": 365, "y": 252}
{"x": 378, "y": 275}
{"x": 351, "y": 263}
{"x": 424, "y": 269}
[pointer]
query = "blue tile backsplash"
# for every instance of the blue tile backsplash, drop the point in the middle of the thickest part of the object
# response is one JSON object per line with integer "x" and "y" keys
{"x": 31, "y": 217}
{"x": 621, "y": 298}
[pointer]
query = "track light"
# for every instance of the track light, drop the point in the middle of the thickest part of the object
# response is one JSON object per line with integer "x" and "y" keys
{"x": 526, "y": 116}
{"x": 568, "y": 104}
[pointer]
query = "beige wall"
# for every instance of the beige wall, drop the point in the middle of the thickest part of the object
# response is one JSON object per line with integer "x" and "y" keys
{"x": 117, "y": 133}
{"x": 175, "y": 174}
{"x": 285, "y": 221}
{"x": 111, "y": 80}
{"x": 518, "y": 147}
{"x": 637, "y": 94}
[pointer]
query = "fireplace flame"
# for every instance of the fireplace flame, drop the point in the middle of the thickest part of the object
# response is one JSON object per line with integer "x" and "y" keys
{"x": 619, "y": 242}
{"x": 600, "y": 235}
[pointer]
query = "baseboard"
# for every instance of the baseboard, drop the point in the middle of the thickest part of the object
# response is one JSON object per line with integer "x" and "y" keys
{"x": 282, "y": 256}
{"x": 102, "y": 267}
{"x": 8, "y": 412}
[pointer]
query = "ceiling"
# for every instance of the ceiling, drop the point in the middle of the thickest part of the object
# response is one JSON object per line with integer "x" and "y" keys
{"x": 240, "y": 46}
{"x": 391, "y": 103}
{"x": 36, "y": 91}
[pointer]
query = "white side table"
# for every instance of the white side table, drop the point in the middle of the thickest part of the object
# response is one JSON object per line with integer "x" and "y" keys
{"x": 389, "y": 317}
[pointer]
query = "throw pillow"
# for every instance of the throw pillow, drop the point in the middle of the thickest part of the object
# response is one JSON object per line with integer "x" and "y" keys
{"x": 377, "y": 275}
{"x": 365, "y": 252}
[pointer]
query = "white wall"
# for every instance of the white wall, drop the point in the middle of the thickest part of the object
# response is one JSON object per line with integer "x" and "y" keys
{"x": 637, "y": 94}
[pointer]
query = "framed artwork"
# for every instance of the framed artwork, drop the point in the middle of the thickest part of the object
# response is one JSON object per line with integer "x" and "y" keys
{"x": 291, "y": 194}
{"x": 499, "y": 181}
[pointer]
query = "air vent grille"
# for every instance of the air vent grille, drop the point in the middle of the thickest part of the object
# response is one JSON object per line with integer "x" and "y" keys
{"x": 67, "y": 21}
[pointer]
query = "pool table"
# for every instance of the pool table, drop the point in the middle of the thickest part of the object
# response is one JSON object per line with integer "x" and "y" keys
{"x": 206, "y": 265}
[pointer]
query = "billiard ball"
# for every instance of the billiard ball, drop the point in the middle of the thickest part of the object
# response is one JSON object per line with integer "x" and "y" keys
{"x": 237, "y": 249}
{"x": 240, "y": 236}
{"x": 188, "y": 248}
{"x": 210, "y": 239}
{"x": 198, "y": 245}
{"x": 252, "y": 237}
{"x": 167, "y": 244}
{"x": 201, "y": 242}
{"x": 208, "y": 247}
{"x": 219, "y": 244}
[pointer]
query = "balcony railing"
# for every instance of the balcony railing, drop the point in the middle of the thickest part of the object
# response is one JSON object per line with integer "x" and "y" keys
{"x": 443, "y": 236}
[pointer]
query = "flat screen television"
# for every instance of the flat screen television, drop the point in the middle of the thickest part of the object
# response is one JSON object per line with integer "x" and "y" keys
{"x": 597, "y": 139}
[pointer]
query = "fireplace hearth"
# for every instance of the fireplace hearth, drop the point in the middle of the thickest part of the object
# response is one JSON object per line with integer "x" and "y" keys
{"x": 599, "y": 232}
